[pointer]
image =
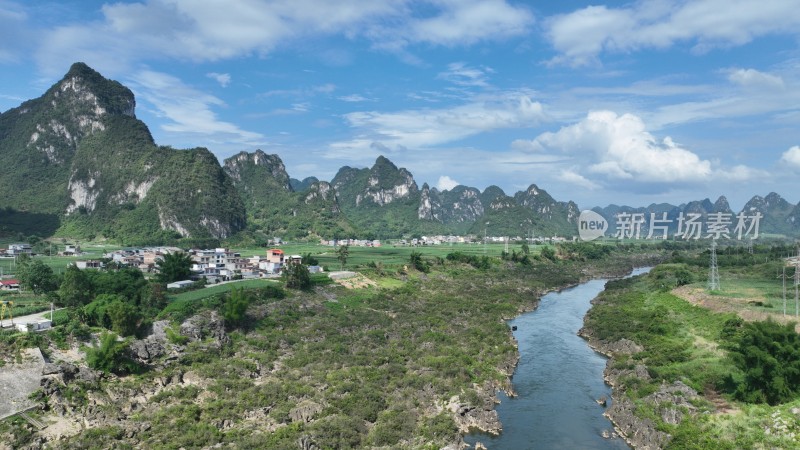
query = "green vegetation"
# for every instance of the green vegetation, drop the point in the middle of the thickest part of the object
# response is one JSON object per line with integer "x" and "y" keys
{"x": 235, "y": 306}
{"x": 724, "y": 359}
{"x": 769, "y": 356}
{"x": 110, "y": 356}
{"x": 175, "y": 266}
{"x": 342, "y": 253}
{"x": 296, "y": 276}
{"x": 36, "y": 276}
{"x": 331, "y": 366}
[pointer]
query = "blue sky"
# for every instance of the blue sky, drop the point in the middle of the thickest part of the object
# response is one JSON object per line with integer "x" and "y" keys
{"x": 624, "y": 102}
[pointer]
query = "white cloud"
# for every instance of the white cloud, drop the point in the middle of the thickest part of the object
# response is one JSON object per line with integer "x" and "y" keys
{"x": 224, "y": 79}
{"x": 354, "y": 98}
{"x": 621, "y": 148}
{"x": 457, "y": 22}
{"x": 446, "y": 183}
{"x": 576, "y": 179}
{"x": 525, "y": 145}
{"x": 755, "y": 78}
{"x": 462, "y": 75}
{"x": 792, "y": 157}
{"x": 740, "y": 173}
{"x": 187, "y": 110}
{"x": 210, "y": 30}
{"x": 14, "y": 32}
{"x": 581, "y": 36}
{"x": 301, "y": 107}
{"x": 429, "y": 127}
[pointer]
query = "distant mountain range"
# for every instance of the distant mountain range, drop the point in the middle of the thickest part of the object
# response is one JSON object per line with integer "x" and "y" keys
{"x": 77, "y": 162}
{"x": 778, "y": 216}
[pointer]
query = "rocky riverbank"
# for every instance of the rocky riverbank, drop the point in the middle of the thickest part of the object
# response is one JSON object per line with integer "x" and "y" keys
{"x": 672, "y": 402}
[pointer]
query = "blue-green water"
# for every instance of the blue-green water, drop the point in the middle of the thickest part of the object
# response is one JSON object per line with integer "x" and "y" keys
{"x": 557, "y": 381}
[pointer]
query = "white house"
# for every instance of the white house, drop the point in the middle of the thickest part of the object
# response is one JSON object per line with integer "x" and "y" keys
{"x": 19, "y": 249}
{"x": 180, "y": 284}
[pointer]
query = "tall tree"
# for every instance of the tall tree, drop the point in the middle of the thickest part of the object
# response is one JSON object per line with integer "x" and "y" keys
{"x": 342, "y": 253}
{"x": 296, "y": 276}
{"x": 174, "y": 266}
{"x": 35, "y": 275}
{"x": 235, "y": 308}
{"x": 76, "y": 288}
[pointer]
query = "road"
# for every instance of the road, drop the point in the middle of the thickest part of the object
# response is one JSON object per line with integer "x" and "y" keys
{"x": 30, "y": 318}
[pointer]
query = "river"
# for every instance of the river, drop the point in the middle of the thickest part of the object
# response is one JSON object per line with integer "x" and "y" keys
{"x": 558, "y": 379}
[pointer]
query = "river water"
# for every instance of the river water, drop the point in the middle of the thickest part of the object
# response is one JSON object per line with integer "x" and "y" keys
{"x": 558, "y": 379}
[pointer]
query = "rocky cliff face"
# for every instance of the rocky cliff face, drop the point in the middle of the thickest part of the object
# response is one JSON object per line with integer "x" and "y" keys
{"x": 456, "y": 206}
{"x": 529, "y": 212}
{"x": 80, "y": 153}
{"x": 386, "y": 184}
{"x": 272, "y": 205}
{"x": 249, "y": 167}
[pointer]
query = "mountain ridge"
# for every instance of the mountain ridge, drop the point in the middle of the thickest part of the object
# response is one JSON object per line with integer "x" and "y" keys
{"x": 85, "y": 165}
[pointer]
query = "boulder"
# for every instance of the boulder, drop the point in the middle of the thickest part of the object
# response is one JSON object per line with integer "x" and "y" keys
{"x": 206, "y": 325}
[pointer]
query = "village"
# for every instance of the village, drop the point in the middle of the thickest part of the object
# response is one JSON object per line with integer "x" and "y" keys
{"x": 221, "y": 264}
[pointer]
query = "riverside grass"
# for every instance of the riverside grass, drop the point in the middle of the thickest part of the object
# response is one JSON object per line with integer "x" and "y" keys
{"x": 690, "y": 344}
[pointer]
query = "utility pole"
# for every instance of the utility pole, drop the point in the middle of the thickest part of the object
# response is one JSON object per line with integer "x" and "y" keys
{"x": 796, "y": 283}
{"x": 484, "y": 237}
{"x": 783, "y": 277}
{"x": 713, "y": 277}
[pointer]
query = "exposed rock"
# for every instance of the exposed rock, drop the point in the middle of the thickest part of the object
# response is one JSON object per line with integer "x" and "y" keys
{"x": 206, "y": 325}
{"x": 154, "y": 345}
{"x": 624, "y": 347}
{"x": 672, "y": 400}
{"x": 305, "y": 411}
{"x": 640, "y": 433}
{"x": 470, "y": 417}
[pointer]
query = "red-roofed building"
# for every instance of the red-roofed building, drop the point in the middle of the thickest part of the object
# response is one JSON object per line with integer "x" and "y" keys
{"x": 9, "y": 285}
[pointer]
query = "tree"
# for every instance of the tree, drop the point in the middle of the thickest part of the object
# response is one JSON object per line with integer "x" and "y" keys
{"x": 37, "y": 276}
{"x": 342, "y": 253}
{"x": 155, "y": 297}
{"x": 235, "y": 307}
{"x": 96, "y": 312}
{"x": 296, "y": 276}
{"x": 76, "y": 288}
{"x": 310, "y": 260}
{"x": 415, "y": 258}
{"x": 174, "y": 266}
{"x": 769, "y": 355}
{"x": 110, "y": 356}
{"x": 549, "y": 253}
{"x": 124, "y": 318}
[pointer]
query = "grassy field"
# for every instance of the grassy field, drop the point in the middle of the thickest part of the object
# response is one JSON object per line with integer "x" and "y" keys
{"x": 8, "y": 266}
{"x": 752, "y": 292}
{"x": 25, "y": 303}
{"x": 219, "y": 289}
{"x": 389, "y": 255}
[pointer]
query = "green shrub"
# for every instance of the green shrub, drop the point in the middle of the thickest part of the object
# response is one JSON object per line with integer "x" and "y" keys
{"x": 111, "y": 356}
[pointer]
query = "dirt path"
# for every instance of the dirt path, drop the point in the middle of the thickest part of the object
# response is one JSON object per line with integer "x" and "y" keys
{"x": 739, "y": 306}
